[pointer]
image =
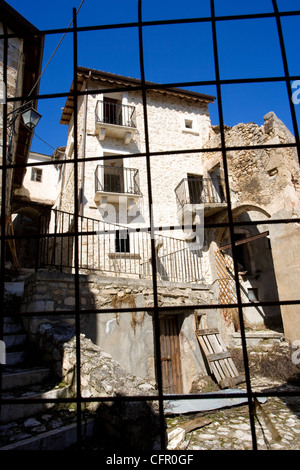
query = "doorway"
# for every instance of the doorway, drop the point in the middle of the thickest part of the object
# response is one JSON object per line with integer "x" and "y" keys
{"x": 170, "y": 354}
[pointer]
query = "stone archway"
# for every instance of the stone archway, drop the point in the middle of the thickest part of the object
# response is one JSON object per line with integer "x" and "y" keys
{"x": 27, "y": 222}
{"x": 256, "y": 271}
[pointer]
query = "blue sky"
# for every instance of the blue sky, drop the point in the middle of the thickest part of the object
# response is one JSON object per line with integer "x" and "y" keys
{"x": 173, "y": 53}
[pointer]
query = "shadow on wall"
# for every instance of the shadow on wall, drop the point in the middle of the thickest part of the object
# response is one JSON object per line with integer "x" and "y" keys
{"x": 131, "y": 423}
{"x": 256, "y": 272}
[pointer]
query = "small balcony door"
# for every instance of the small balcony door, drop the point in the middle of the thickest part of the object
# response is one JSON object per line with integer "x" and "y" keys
{"x": 195, "y": 187}
{"x": 112, "y": 111}
{"x": 113, "y": 180}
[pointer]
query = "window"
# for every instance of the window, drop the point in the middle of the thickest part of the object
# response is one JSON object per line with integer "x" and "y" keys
{"x": 36, "y": 174}
{"x": 242, "y": 254}
{"x": 253, "y": 294}
{"x": 122, "y": 241}
{"x": 188, "y": 123}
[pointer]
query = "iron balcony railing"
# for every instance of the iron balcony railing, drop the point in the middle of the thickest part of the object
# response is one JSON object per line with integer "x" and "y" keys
{"x": 117, "y": 180}
{"x": 116, "y": 250}
{"x": 115, "y": 113}
{"x": 198, "y": 190}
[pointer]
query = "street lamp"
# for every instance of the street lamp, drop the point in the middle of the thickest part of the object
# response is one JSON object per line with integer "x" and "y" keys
{"x": 30, "y": 118}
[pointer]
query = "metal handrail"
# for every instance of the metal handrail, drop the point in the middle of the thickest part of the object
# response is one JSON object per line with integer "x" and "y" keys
{"x": 114, "y": 249}
{"x": 115, "y": 113}
{"x": 117, "y": 180}
{"x": 199, "y": 190}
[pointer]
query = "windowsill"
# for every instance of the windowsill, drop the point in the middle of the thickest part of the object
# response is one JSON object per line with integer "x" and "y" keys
{"x": 190, "y": 131}
{"x": 124, "y": 255}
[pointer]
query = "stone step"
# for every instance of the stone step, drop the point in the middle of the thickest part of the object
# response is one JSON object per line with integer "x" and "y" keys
{"x": 12, "y": 327}
{"x": 14, "y": 411}
{"x": 14, "y": 288}
{"x": 57, "y": 439}
{"x": 15, "y": 358}
{"x": 22, "y": 377}
{"x": 15, "y": 340}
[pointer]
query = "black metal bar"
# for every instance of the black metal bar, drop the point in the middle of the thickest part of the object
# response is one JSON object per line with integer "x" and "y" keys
{"x": 287, "y": 74}
{"x": 37, "y": 249}
{"x": 76, "y": 248}
{"x": 3, "y": 196}
{"x": 160, "y": 153}
{"x": 231, "y": 228}
{"x": 174, "y": 308}
{"x": 153, "y": 23}
{"x": 203, "y": 396}
{"x": 153, "y": 252}
{"x": 144, "y": 87}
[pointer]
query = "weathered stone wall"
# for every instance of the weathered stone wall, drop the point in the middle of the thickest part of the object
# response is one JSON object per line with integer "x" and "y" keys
{"x": 127, "y": 336}
{"x": 14, "y": 83}
{"x": 264, "y": 183}
{"x": 266, "y": 178}
{"x": 133, "y": 424}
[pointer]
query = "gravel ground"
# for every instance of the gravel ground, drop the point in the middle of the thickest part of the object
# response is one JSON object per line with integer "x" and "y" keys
{"x": 230, "y": 429}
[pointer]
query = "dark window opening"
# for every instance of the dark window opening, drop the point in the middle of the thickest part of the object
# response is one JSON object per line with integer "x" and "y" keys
{"x": 242, "y": 255}
{"x": 122, "y": 241}
{"x": 112, "y": 111}
{"x": 36, "y": 174}
{"x": 195, "y": 185}
{"x": 215, "y": 186}
{"x": 253, "y": 294}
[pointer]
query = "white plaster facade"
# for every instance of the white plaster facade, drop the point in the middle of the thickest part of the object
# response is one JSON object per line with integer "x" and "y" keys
{"x": 40, "y": 184}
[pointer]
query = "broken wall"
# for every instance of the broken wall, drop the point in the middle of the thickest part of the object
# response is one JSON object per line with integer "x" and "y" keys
{"x": 264, "y": 184}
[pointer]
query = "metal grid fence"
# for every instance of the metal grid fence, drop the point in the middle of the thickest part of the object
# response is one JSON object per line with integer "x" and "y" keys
{"x": 231, "y": 224}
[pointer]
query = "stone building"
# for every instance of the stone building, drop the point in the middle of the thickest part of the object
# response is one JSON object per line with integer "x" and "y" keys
{"x": 194, "y": 266}
{"x": 23, "y": 59}
{"x": 264, "y": 185}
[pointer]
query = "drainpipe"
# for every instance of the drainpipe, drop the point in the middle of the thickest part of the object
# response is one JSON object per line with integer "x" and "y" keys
{"x": 81, "y": 206}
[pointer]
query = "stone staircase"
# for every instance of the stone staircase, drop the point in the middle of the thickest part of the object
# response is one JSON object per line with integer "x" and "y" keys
{"x": 31, "y": 426}
{"x": 262, "y": 339}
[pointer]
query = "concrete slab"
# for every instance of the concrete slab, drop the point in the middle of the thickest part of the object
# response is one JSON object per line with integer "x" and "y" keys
{"x": 21, "y": 378}
{"x": 196, "y": 405}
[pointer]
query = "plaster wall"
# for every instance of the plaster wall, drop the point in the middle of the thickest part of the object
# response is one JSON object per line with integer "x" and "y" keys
{"x": 128, "y": 336}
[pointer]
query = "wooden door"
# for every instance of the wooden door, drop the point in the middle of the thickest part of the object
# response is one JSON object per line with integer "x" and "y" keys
{"x": 170, "y": 355}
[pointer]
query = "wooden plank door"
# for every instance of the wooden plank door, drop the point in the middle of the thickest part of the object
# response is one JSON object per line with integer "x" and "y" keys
{"x": 170, "y": 355}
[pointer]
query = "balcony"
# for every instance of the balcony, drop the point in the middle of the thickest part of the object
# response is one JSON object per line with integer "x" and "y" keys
{"x": 195, "y": 190}
{"x": 111, "y": 182}
{"x": 114, "y": 119}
